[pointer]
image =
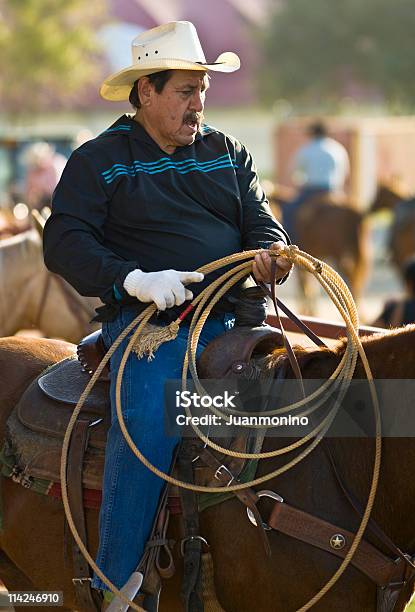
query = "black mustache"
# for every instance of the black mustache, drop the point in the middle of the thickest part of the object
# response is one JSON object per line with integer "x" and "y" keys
{"x": 193, "y": 117}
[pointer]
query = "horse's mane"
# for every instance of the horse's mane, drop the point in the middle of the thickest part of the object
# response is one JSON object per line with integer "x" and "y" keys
{"x": 381, "y": 339}
{"x": 391, "y": 352}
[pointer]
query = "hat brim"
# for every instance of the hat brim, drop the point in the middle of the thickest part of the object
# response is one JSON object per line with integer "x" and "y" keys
{"x": 118, "y": 86}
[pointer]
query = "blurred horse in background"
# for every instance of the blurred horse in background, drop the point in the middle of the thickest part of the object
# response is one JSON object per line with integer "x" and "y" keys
{"x": 33, "y": 298}
{"x": 401, "y": 241}
{"x": 10, "y": 225}
{"x": 331, "y": 229}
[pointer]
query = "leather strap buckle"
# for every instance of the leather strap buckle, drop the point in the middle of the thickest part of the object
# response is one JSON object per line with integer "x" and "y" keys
{"x": 222, "y": 471}
{"x": 191, "y": 538}
{"x": 260, "y": 494}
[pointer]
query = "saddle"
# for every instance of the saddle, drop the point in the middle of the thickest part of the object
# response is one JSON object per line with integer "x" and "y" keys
{"x": 35, "y": 435}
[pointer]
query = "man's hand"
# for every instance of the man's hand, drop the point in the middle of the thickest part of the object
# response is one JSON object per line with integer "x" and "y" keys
{"x": 166, "y": 288}
{"x": 261, "y": 268}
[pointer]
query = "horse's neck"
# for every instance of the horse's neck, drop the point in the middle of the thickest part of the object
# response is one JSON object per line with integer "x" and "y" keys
{"x": 26, "y": 301}
{"x": 20, "y": 262}
{"x": 395, "y": 496}
{"x": 49, "y": 309}
{"x": 392, "y": 358}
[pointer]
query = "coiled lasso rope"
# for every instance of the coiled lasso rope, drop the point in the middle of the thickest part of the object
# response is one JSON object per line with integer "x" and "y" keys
{"x": 339, "y": 293}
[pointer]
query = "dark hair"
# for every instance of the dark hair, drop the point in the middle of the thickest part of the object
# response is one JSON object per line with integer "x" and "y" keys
{"x": 318, "y": 129}
{"x": 409, "y": 273}
{"x": 158, "y": 79}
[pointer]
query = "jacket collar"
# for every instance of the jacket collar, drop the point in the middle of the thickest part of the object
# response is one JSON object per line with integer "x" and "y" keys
{"x": 138, "y": 132}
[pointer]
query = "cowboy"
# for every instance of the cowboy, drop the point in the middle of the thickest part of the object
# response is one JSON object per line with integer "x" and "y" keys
{"x": 157, "y": 193}
{"x": 320, "y": 166}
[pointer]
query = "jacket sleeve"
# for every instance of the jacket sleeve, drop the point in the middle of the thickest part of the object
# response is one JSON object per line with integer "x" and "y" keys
{"x": 74, "y": 234}
{"x": 258, "y": 222}
{"x": 259, "y": 227}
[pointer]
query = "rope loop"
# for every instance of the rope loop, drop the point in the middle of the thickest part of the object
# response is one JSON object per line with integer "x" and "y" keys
{"x": 202, "y": 306}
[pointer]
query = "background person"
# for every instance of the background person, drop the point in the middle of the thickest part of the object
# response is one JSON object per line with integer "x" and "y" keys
{"x": 44, "y": 167}
{"x": 320, "y": 166}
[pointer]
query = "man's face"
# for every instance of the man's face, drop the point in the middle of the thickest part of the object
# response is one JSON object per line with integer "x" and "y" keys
{"x": 176, "y": 113}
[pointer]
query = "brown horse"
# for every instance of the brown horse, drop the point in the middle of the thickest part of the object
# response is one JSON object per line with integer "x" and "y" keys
{"x": 330, "y": 229}
{"x": 32, "y": 297}
{"x": 402, "y": 231}
{"x": 33, "y": 541}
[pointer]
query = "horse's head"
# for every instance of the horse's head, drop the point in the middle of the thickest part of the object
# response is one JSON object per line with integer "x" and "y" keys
{"x": 387, "y": 196}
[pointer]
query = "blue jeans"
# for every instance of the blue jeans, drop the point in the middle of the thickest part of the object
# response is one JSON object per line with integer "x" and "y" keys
{"x": 131, "y": 491}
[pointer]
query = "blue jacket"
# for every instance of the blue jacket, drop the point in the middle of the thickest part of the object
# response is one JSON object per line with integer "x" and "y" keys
{"x": 122, "y": 203}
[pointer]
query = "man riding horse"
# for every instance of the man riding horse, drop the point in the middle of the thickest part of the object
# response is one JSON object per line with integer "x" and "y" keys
{"x": 320, "y": 166}
{"x": 156, "y": 193}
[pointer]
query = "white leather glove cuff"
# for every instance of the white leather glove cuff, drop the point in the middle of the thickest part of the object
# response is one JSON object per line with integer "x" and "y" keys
{"x": 131, "y": 281}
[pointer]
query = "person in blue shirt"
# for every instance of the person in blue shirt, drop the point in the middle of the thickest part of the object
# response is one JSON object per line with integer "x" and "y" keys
{"x": 320, "y": 166}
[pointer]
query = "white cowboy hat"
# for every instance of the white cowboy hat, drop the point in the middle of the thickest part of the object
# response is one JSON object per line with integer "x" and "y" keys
{"x": 172, "y": 46}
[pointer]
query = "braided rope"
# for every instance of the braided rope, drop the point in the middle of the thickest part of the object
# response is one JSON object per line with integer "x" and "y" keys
{"x": 339, "y": 293}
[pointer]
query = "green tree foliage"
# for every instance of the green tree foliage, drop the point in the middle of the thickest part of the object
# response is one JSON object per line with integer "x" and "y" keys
{"x": 48, "y": 51}
{"x": 318, "y": 51}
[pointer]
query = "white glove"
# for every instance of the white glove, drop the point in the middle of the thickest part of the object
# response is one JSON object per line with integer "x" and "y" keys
{"x": 165, "y": 288}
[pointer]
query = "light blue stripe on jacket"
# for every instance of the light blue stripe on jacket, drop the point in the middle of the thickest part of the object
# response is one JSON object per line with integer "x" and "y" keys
{"x": 166, "y": 163}
{"x": 118, "y": 128}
